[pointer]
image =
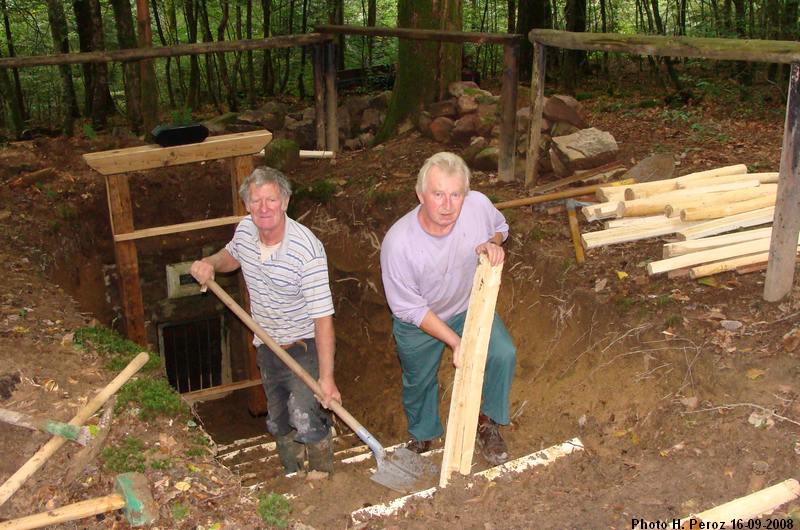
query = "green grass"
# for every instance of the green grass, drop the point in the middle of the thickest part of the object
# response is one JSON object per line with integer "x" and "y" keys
{"x": 179, "y": 511}
{"x": 117, "y": 350}
{"x": 274, "y": 509}
{"x": 154, "y": 397}
{"x": 126, "y": 456}
{"x": 673, "y": 321}
{"x": 161, "y": 464}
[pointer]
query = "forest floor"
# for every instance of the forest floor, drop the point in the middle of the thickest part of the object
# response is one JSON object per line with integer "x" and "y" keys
{"x": 640, "y": 368}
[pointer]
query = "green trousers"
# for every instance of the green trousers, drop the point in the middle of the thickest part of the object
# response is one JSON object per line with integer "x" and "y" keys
{"x": 420, "y": 356}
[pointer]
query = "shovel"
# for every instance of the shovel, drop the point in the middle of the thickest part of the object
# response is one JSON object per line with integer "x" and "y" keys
{"x": 401, "y": 470}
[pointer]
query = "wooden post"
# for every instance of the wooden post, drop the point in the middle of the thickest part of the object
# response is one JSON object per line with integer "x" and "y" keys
{"x": 241, "y": 167}
{"x": 121, "y": 217}
{"x": 537, "y": 105}
{"x": 459, "y": 443}
{"x": 330, "y": 98}
{"x": 786, "y": 225}
{"x": 508, "y": 126}
{"x": 318, "y": 57}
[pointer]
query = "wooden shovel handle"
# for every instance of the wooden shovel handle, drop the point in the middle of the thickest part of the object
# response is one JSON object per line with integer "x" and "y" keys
{"x": 71, "y": 512}
{"x": 293, "y": 365}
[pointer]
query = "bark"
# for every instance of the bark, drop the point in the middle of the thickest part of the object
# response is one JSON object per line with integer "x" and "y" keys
{"x": 193, "y": 96}
{"x": 102, "y": 104}
{"x": 163, "y": 39}
{"x": 288, "y": 51}
{"x": 172, "y": 36}
{"x": 11, "y": 104}
{"x": 532, "y": 14}
{"x": 58, "y": 30}
{"x": 228, "y": 78}
{"x": 126, "y": 38}
{"x": 267, "y": 71}
{"x": 301, "y": 86}
{"x": 511, "y": 21}
{"x": 213, "y": 91}
{"x": 423, "y": 68}
{"x": 19, "y": 98}
{"x": 575, "y": 17}
{"x": 83, "y": 26}
{"x": 251, "y": 75}
{"x": 371, "y": 20}
{"x": 149, "y": 88}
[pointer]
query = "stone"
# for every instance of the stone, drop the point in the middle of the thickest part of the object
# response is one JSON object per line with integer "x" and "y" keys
{"x": 424, "y": 120}
{"x": 352, "y": 144}
{"x": 585, "y": 149}
{"x": 282, "y": 153}
{"x": 563, "y": 128}
{"x": 366, "y": 139}
{"x": 371, "y": 119}
{"x": 466, "y": 104}
{"x": 654, "y": 167}
{"x": 556, "y": 110}
{"x": 219, "y": 123}
{"x": 309, "y": 113}
{"x": 487, "y": 159}
{"x": 250, "y": 116}
{"x": 405, "y": 126}
{"x": 559, "y": 168}
{"x": 344, "y": 123}
{"x": 523, "y": 119}
{"x": 303, "y": 132}
{"x": 274, "y": 115}
{"x": 355, "y": 106}
{"x": 571, "y": 101}
{"x": 487, "y": 123}
{"x": 445, "y": 108}
{"x": 381, "y": 100}
{"x": 477, "y": 144}
{"x": 465, "y": 128}
{"x": 488, "y": 110}
{"x": 441, "y": 128}
{"x": 459, "y": 88}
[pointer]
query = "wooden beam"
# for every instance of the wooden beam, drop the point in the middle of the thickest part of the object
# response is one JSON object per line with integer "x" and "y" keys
{"x": 508, "y": 124}
{"x": 707, "y": 256}
{"x": 647, "y": 189}
{"x": 178, "y": 228}
{"x": 780, "y": 270}
{"x": 690, "y": 199}
{"x": 771, "y": 51}
{"x": 638, "y": 222}
{"x": 727, "y": 224}
{"x": 331, "y": 124}
{"x": 747, "y": 508}
{"x": 599, "y": 172}
{"x": 422, "y": 34}
{"x": 685, "y": 247}
{"x": 709, "y": 269}
{"x": 133, "y": 54}
{"x": 153, "y": 156}
{"x": 215, "y": 392}
{"x": 121, "y": 219}
{"x": 240, "y": 168}
{"x": 763, "y": 178}
{"x": 603, "y": 210}
{"x": 318, "y": 59}
{"x": 717, "y": 211}
{"x": 465, "y": 404}
{"x": 570, "y": 192}
{"x": 537, "y": 106}
{"x": 626, "y": 234}
{"x": 662, "y": 203}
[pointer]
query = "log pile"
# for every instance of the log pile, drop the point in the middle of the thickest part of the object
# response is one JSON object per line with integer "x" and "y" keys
{"x": 696, "y": 209}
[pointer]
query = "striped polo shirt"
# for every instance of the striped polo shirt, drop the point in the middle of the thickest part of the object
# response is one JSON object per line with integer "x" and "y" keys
{"x": 290, "y": 289}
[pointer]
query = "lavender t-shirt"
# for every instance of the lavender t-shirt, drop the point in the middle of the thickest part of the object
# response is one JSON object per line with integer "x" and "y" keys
{"x": 424, "y": 273}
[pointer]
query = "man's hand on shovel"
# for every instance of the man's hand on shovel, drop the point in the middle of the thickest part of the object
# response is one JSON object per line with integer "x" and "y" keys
{"x": 330, "y": 391}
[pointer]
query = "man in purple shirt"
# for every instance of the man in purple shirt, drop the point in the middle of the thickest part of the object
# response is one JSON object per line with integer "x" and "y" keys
{"x": 428, "y": 261}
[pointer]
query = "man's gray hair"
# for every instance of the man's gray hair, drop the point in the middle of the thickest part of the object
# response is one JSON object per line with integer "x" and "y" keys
{"x": 450, "y": 163}
{"x": 265, "y": 175}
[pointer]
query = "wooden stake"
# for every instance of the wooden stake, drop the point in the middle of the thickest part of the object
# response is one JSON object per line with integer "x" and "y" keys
{"x": 647, "y": 189}
{"x": 571, "y": 192}
{"x": 537, "y": 105}
{"x": 508, "y": 123}
{"x": 721, "y": 193}
{"x": 626, "y": 234}
{"x": 725, "y": 210}
{"x": 763, "y": 178}
{"x": 318, "y": 59}
{"x": 727, "y": 224}
{"x": 750, "y": 506}
{"x": 465, "y": 404}
{"x": 706, "y": 256}
{"x": 685, "y": 247}
{"x": 716, "y": 267}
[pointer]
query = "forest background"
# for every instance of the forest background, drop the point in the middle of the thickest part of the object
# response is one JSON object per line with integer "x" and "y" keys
{"x": 55, "y": 98}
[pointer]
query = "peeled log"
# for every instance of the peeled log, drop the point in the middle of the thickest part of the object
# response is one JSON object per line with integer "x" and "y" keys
{"x": 710, "y": 200}
{"x": 709, "y": 269}
{"x": 647, "y": 189}
{"x": 707, "y": 256}
{"x": 728, "y": 224}
{"x": 680, "y": 248}
{"x": 750, "y": 506}
{"x": 715, "y": 212}
{"x": 659, "y": 203}
{"x": 763, "y": 178}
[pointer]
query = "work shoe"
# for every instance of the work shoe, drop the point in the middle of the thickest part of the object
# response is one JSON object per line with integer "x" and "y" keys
{"x": 418, "y": 446}
{"x": 492, "y": 446}
{"x": 320, "y": 455}
{"x": 291, "y": 453}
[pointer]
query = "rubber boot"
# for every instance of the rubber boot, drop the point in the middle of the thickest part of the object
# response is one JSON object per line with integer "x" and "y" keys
{"x": 320, "y": 455}
{"x": 290, "y": 453}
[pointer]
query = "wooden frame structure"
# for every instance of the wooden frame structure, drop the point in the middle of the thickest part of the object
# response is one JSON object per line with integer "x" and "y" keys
{"x": 114, "y": 166}
{"x": 783, "y": 245}
{"x": 508, "y": 98}
{"x": 459, "y": 442}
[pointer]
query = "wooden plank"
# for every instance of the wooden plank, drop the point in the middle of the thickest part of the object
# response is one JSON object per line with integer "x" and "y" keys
{"x": 711, "y": 211}
{"x": 727, "y": 224}
{"x": 465, "y": 404}
{"x": 240, "y": 168}
{"x": 647, "y": 189}
{"x": 571, "y": 192}
{"x": 708, "y": 202}
{"x": 613, "y": 168}
{"x": 771, "y": 51}
{"x": 763, "y": 178}
{"x": 178, "y": 228}
{"x": 215, "y": 392}
{"x": 508, "y": 122}
{"x": 318, "y": 58}
{"x": 685, "y": 247}
{"x": 331, "y": 124}
{"x": 720, "y": 193}
{"x": 422, "y": 34}
{"x": 717, "y": 267}
{"x": 575, "y": 233}
{"x": 153, "y": 156}
{"x": 707, "y": 256}
{"x": 747, "y": 508}
{"x": 780, "y": 270}
{"x": 126, "y": 256}
{"x": 603, "y": 210}
{"x": 537, "y": 106}
{"x": 626, "y": 234}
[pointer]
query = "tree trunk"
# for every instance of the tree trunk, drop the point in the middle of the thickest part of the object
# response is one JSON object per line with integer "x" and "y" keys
{"x": 59, "y": 32}
{"x": 371, "y": 20}
{"x": 673, "y": 75}
{"x": 102, "y": 104}
{"x": 532, "y": 14}
{"x": 83, "y": 25}
{"x": 287, "y": 51}
{"x": 11, "y": 104}
{"x": 267, "y": 71}
{"x": 301, "y": 86}
{"x": 336, "y": 16}
{"x": 423, "y": 68}
{"x": 228, "y": 78}
{"x": 173, "y": 38}
{"x": 511, "y": 22}
{"x": 575, "y": 17}
{"x": 193, "y": 97}
{"x": 743, "y": 70}
{"x": 251, "y": 74}
{"x": 162, "y": 37}
{"x": 18, "y": 96}
{"x": 149, "y": 87}
{"x": 213, "y": 91}
{"x": 126, "y": 38}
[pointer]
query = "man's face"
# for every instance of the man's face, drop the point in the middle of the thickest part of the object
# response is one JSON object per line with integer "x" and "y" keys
{"x": 267, "y": 206}
{"x": 441, "y": 200}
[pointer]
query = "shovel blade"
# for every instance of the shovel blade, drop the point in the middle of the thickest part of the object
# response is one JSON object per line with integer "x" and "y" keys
{"x": 404, "y": 470}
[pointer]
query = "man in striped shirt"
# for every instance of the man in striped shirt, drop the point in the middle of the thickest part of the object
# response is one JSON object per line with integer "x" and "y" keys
{"x": 286, "y": 273}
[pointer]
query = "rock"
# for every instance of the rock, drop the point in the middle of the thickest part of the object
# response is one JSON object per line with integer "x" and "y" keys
{"x": 487, "y": 159}
{"x": 355, "y": 106}
{"x": 405, "y": 126}
{"x": 424, "y": 122}
{"x": 489, "y": 110}
{"x": 556, "y": 110}
{"x": 654, "y": 167}
{"x": 352, "y": 144}
{"x": 559, "y": 168}
{"x": 585, "y": 149}
{"x": 523, "y": 119}
{"x": 371, "y": 119}
{"x": 8, "y": 382}
{"x": 731, "y": 325}
{"x": 366, "y": 139}
{"x": 381, "y": 101}
{"x": 441, "y": 128}
{"x": 344, "y": 123}
{"x": 282, "y": 154}
{"x": 219, "y": 123}
{"x": 274, "y": 115}
{"x": 465, "y": 128}
{"x": 302, "y": 132}
{"x": 523, "y": 96}
{"x": 309, "y": 113}
{"x": 476, "y": 145}
{"x": 466, "y": 105}
{"x": 250, "y": 116}
{"x": 545, "y": 125}
{"x": 571, "y": 101}
{"x": 445, "y": 108}
{"x": 459, "y": 88}
{"x": 563, "y": 128}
